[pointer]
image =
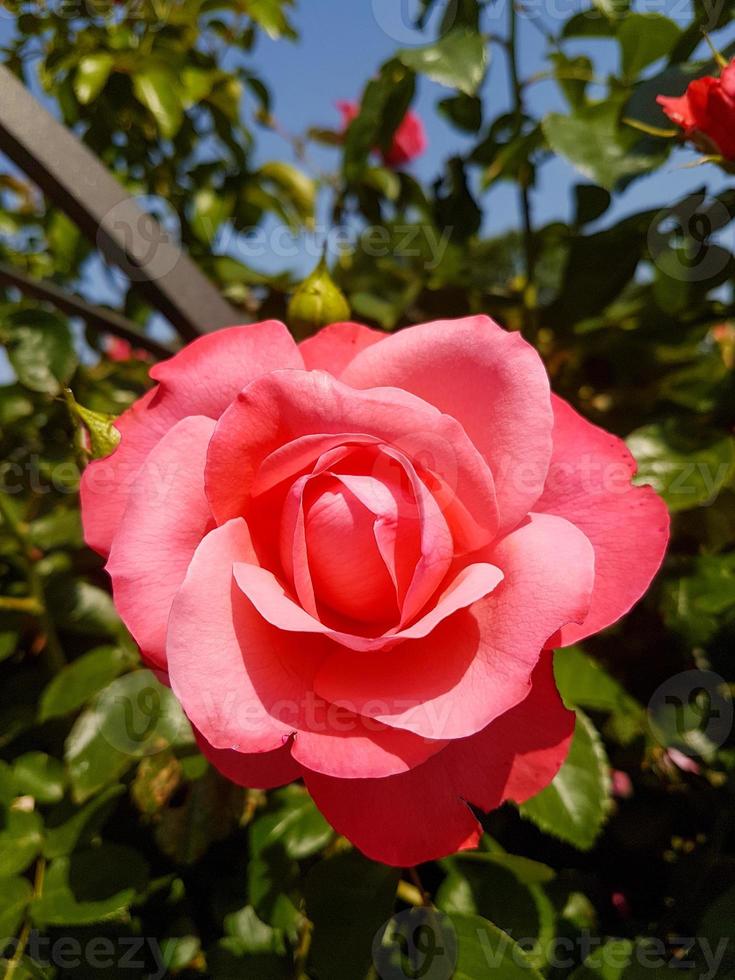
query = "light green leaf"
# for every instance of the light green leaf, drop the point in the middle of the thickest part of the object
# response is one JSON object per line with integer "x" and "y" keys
{"x": 484, "y": 950}
{"x": 457, "y": 60}
{"x": 40, "y": 350}
{"x": 211, "y": 209}
{"x": 39, "y": 775}
{"x": 158, "y": 90}
{"x": 574, "y": 806}
{"x": 595, "y": 141}
{"x": 293, "y": 822}
{"x": 91, "y": 75}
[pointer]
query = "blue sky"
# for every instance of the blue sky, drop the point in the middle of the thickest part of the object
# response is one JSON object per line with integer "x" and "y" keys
{"x": 342, "y": 43}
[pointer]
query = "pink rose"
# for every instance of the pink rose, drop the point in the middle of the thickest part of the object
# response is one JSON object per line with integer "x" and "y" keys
{"x": 409, "y": 139}
{"x": 352, "y": 558}
{"x": 706, "y": 112}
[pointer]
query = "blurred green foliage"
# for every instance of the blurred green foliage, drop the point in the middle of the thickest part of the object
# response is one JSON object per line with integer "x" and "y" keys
{"x": 113, "y": 829}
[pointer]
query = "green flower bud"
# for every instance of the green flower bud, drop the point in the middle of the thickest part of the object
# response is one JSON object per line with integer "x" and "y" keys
{"x": 103, "y": 436}
{"x": 317, "y": 302}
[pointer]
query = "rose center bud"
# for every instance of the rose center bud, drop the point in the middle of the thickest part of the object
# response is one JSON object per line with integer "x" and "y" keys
{"x": 343, "y": 540}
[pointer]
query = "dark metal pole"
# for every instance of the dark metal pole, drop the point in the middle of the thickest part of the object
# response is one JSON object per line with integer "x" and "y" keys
{"x": 97, "y": 317}
{"x": 77, "y": 182}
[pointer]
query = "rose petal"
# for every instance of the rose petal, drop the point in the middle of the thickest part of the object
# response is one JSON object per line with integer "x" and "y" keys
{"x": 491, "y": 381}
{"x": 422, "y": 815}
{"x": 347, "y": 746}
{"x": 242, "y": 683}
{"x": 264, "y": 770}
{"x": 166, "y": 517}
{"x": 202, "y": 379}
{"x": 288, "y": 405}
{"x": 589, "y": 485}
{"x": 335, "y": 346}
{"x": 271, "y": 600}
{"x": 475, "y": 666}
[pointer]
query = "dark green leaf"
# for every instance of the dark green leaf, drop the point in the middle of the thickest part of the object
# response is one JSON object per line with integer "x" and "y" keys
{"x": 21, "y": 838}
{"x": 574, "y": 806}
{"x": 644, "y": 38}
{"x": 348, "y": 898}
{"x": 15, "y": 894}
{"x": 90, "y": 886}
{"x": 76, "y": 683}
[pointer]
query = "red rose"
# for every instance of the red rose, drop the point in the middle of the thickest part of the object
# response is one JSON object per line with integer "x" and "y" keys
{"x": 706, "y": 112}
{"x": 352, "y": 558}
{"x": 409, "y": 139}
{"x": 118, "y": 349}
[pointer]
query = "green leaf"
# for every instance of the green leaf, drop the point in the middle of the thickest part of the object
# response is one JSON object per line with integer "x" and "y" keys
{"x": 383, "y": 106}
{"x": 574, "y": 806}
{"x": 8, "y": 644}
{"x": 484, "y": 950}
{"x": 80, "y": 680}
{"x": 697, "y": 605}
{"x": 132, "y": 717}
{"x": 270, "y": 15}
{"x": 90, "y": 886}
{"x": 158, "y": 90}
{"x": 211, "y": 209}
{"x": 249, "y": 934}
{"x": 583, "y": 683}
{"x": 595, "y": 141}
{"x": 40, "y": 350}
{"x": 644, "y": 38}
{"x": 15, "y": 894}
{"x": 457, "y": 60}
{"x": 348, "y": 898}
{"x": 39, "y": 775}
{"x": 687, "y": 466}
{"x": 293, "y": 822}
{"x": 294, "y": 188}
{"x": 91, "y": 75}
{"x": 21, "y": 838}
{"x": 67, "y": 826}
{"x": 485, "y": 885}
{"x": 83, "y": 608}
{"x": 60, "y": 528}
{"x": 624, "y": 959}
{"x": 464, "y": 111}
